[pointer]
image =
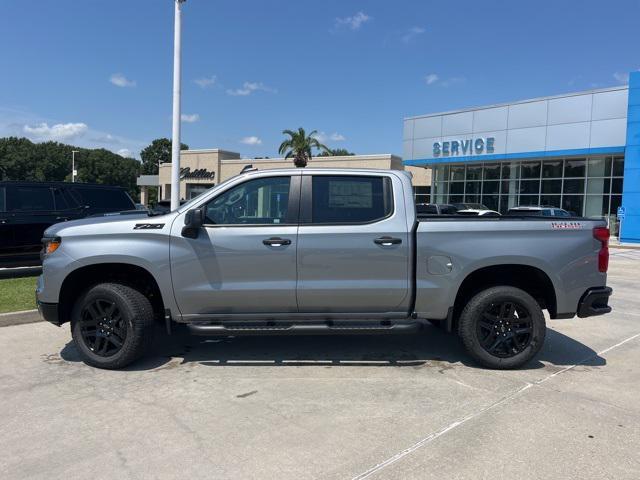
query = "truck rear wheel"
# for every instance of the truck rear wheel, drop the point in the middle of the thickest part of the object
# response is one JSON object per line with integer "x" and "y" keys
{"x": 112, "y": 325}
{"x": 502, "y": 327}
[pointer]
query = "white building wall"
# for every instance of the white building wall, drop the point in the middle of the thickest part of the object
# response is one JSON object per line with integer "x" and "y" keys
{"x": 582, "y": 121}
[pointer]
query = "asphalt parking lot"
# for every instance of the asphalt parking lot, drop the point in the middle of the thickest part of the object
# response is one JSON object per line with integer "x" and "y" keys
{"x": 330, "y": 407}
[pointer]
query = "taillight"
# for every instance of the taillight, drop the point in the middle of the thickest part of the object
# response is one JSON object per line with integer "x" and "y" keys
{"x": 602, "y": 235}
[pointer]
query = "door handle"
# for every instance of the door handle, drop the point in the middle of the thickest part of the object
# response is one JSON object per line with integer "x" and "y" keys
{"x": 3, "y": 221}
{"x": 62, "y": 218}
{"x": 387, "y": 241}
{"x": 276, "y": 241}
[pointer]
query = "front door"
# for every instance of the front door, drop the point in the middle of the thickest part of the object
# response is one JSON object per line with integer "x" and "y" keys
{"x": 353, "y": 245}
{"x": 244, "y": 259}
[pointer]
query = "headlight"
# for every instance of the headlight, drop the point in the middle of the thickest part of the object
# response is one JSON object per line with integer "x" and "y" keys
{"x": 50, "y": 245}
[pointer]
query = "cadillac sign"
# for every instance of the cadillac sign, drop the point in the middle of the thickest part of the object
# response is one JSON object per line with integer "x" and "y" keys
{"x": 473, "y": 146}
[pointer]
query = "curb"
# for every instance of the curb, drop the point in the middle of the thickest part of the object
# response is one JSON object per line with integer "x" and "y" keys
{"x": 625, "y": 246}
{"x": 20, "y": 318}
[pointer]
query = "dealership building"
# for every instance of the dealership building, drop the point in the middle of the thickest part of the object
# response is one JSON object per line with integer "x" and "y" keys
{"x": 202, "y": 169}
{"x": 579, "y": 151}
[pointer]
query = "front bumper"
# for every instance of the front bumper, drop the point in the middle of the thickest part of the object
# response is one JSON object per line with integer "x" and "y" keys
{"x": 595, "y": 301}
{"x": 49, "y": 312}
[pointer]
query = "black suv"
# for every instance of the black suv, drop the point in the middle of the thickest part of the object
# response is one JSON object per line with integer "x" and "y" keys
{"x": 27, "y": 209}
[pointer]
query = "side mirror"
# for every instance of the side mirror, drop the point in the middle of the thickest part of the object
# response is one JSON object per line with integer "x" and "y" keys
{"x": 193, "y": 221}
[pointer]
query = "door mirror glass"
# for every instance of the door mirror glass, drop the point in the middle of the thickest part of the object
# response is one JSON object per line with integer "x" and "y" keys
{"x": 193, "y": 221}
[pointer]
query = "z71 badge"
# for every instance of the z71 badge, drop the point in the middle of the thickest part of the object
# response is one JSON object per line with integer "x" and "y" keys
{"x": 148, "y": 226}
{"x": 566, "y": 225}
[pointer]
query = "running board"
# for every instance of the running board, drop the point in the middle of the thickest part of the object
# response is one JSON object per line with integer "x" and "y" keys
{"x": 354, "y": 328}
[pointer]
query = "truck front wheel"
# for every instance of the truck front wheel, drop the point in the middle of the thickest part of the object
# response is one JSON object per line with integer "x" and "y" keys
{"x": 112, "y": 325}
{"x": 502, "y": 327}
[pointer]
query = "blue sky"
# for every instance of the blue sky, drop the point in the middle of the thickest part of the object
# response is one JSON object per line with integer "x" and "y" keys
{"x": 99, "y": 73}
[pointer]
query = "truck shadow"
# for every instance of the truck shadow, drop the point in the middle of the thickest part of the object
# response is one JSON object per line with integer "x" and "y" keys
{"x": 432, "y": 347}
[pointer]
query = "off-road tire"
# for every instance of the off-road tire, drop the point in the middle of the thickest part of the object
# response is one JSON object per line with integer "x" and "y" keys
{"x": 473, "y": 313}
{"x": 137, "y": 319}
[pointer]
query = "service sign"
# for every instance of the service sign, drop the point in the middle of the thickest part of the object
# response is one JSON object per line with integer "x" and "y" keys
{"x": 469, "y": 146}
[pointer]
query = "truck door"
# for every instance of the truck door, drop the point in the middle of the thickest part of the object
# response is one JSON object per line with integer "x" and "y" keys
{"x": 31, "y": 212}
{"x": 244, "y": 259}
{"x": 353, "y": 245}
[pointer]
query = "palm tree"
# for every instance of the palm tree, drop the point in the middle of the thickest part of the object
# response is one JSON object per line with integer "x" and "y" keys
{"x": 299, "y": 146}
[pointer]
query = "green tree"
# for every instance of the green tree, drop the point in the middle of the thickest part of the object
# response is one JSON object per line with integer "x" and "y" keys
{"x": 21, "y": 159}
{"x": 299, "y": 145}
{"x": 336, "y": 152}
{"x": 159, "y": 151}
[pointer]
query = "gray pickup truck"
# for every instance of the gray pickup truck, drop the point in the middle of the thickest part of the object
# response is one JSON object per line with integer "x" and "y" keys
{"x": 315, "y": 251}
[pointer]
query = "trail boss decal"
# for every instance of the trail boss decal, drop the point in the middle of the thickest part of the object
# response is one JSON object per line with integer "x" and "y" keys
{"x": 148, "y": 226}
{"x": 566, "y": 225}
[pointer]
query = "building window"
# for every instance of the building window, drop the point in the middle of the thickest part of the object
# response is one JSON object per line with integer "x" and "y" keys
{"x": 195, "y": 189}
{"x": 585, "y": 186}
{"x": 422, "y": 194}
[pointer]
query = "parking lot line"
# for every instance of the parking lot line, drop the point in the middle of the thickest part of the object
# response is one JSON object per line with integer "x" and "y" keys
{"x": 429, "y": 438}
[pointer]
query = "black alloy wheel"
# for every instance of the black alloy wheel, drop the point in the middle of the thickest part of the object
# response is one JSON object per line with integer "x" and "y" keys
{"x": 505, "y": 329}
{"x": 502, "y": 327}
{"x": 112, "y": 325}
{"x": 103, "y": 328}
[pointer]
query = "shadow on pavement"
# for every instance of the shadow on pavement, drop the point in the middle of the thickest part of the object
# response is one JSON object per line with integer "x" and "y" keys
{"x": 412, "y": 350}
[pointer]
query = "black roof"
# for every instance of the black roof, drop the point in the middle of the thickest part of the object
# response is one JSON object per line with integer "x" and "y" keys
{"x": 59, "y": 184}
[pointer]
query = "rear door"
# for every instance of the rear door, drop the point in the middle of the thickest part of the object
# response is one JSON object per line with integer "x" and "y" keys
{"x": 353, "y": 245}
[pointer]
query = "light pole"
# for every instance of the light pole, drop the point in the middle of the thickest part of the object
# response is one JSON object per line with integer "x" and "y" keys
{"x": 73, "y": 165}
{"x": 175, "y": 139}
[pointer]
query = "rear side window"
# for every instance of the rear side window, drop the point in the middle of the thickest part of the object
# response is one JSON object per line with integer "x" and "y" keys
{"x": 3, "y": 202}
{"x": 104, "y": 199}
{"x": 350, "y": 199}
{"x": 28, "y": 198}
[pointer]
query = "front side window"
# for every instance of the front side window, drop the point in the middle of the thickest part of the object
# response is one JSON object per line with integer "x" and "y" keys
{"x": 350, "y": 199}
{"x": 29, "y": 198}
{"x": 3, "y": 203}
{"x": 262, "y": 201}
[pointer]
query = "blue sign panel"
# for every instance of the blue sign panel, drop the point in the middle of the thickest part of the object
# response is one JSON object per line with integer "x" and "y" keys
{"x": 621, "y": 212}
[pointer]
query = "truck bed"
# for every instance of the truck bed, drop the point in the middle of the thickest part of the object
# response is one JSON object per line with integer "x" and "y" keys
{"x": 449, "y": 248}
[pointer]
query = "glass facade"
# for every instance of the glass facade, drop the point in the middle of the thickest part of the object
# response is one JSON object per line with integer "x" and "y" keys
{"x": 421, "y": 194}
{"x": 590, "y": 187}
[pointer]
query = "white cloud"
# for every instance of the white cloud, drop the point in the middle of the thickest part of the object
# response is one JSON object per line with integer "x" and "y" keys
{"x": 206, "y": 82}
{"x": 249, "y": 87}
{"x": 431, "y": 78}
{"x": 252, "y": 140}
{"x": 119, "y": 80}
{"x": 412, "y": 33}
{"x": 354, "y": 22}
{"x": 452, "y": 81}
{"x": 57, "y": 132}
{"x": 434, "y": 79}
{"x": 325, "y": 137}
{"x": 125, "y": 152}
{"x": 190, "y": 118}
{"x": 621, "y": 77}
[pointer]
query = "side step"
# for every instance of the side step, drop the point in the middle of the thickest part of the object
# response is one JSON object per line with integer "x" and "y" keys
{"x": 287, "y": 328}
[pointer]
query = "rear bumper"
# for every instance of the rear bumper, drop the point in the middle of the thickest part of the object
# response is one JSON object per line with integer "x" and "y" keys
{"x": 595, "y": 301}
{"x": 49, "y": 312}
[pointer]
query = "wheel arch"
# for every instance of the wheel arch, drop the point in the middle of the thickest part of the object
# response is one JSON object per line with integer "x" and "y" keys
{"x": 85, "y": 277}
{"x": 529, "y": 278}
